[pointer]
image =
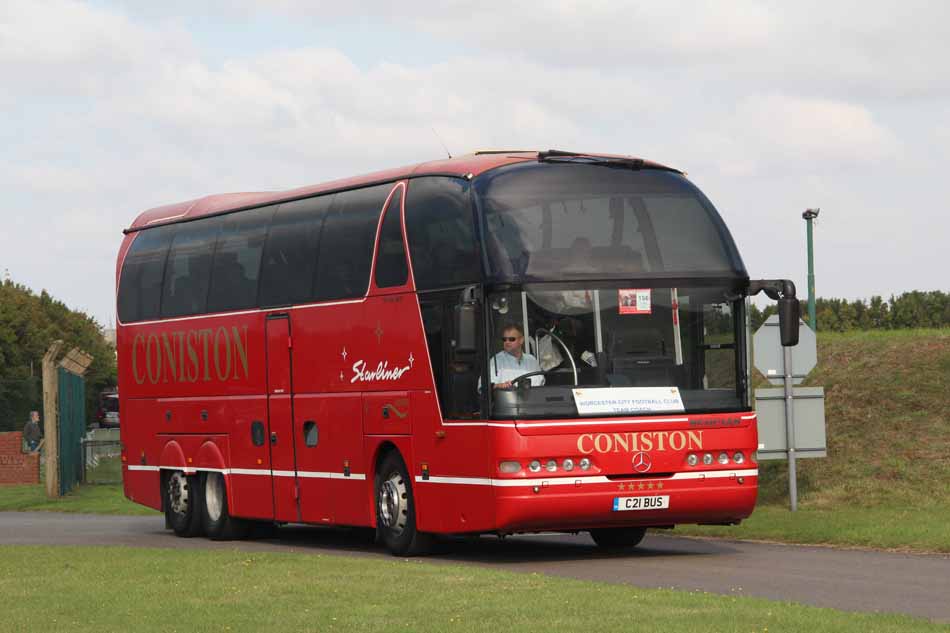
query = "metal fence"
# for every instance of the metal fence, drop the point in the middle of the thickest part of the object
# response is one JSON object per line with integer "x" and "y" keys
{"x": 101, "y": 461}
{"x": 72, "y": 424}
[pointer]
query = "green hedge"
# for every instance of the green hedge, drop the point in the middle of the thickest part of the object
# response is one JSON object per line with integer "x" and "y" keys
{"x": 916, "y": 309}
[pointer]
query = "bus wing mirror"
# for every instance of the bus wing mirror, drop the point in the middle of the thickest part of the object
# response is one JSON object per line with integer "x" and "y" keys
{"x": 466, "y": 321}
{"x": 788, "y": 314}
{"x": 783, "y": 291}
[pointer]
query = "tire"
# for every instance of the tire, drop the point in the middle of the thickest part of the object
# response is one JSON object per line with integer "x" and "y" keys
{"x": 216, "y": 519}
{"x": 396, "y": 510}
{"x": 618, "y": 538}
{"x": 182, "y": 501}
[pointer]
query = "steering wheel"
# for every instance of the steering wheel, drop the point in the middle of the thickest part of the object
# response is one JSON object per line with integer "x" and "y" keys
{"x": 515, "y": 381}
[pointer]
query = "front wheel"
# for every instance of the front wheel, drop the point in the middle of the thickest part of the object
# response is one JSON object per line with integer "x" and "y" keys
{"x": 396, "y": 510}
{"x": 618, "y": 538}
{"x": 216, "y": 517}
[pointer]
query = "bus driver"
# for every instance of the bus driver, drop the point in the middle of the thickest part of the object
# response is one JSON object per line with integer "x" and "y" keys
{"x": 513, "y": 361}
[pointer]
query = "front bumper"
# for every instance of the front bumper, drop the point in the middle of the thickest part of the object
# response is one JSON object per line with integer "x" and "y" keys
{"x": 573, "y": 503}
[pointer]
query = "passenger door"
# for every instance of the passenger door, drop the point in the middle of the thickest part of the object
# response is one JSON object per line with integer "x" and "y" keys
{"x": 280, "y": 417}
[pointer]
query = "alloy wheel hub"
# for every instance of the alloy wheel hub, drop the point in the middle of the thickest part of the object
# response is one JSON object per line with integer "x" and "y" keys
{"x": 393, "y": 503}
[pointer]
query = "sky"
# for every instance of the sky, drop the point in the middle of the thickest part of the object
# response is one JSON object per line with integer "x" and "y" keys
{"x": 110, "y": 108}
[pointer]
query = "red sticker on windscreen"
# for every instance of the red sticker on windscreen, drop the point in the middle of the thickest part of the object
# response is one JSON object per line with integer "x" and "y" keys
{"x": 635, "y": 301}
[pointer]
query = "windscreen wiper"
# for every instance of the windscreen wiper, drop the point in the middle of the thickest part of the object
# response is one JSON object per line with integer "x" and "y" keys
{"x": 557, "y": 155}
{"x": 616, "y": 162}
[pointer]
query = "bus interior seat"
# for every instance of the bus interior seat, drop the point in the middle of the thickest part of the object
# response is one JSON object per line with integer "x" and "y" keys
{"x": 641, "y": 356}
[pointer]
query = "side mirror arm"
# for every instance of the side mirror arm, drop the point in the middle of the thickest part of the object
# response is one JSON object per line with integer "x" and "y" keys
{"x": 775, "y": 289}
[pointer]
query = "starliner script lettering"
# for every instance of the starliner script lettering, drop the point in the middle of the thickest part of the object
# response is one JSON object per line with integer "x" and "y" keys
{"x": 382, "y": 372}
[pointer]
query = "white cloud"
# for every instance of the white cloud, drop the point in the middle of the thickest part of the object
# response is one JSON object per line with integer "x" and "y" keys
{"x": 116, "y": 112}
{"x": 813, "y": 130}
{"x": 882, "y": 50}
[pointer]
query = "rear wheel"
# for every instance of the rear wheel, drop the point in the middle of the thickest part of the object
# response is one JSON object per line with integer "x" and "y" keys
{"x": 182, "y": 504}
{"x": 618, "y": 538}
{"x": 216, "y": 518}
{"x": 396, "y": 510}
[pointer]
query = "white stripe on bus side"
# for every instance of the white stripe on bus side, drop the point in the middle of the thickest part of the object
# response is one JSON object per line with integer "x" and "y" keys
{"x": 253, "y": 471}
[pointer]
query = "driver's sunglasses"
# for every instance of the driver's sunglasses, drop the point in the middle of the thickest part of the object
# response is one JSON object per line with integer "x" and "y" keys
{"x": 509, "y": 339}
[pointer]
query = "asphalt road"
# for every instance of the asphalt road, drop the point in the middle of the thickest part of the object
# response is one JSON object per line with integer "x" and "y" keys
{"x": 851, "y": 580}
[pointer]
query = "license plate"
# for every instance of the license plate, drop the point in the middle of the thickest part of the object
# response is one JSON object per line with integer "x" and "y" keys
{"x": 651, "y": 502}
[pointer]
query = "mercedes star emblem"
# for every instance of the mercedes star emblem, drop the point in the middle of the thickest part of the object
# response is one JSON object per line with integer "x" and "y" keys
{"x": 641, "y": 462}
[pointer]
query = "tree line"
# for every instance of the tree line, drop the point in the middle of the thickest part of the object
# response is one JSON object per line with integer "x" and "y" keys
{"x": 29, "y": 323}
{"x": 915, "y": 309}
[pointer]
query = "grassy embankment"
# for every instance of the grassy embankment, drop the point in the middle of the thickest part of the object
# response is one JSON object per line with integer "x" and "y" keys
{"x": 886, "y": 480}
{"x": 167, "y": 590}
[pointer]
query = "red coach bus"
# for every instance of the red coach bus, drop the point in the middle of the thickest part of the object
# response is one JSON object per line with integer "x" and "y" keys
{"x": 498, "y": 343}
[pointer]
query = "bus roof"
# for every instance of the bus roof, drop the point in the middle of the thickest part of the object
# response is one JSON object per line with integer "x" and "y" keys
{"x": 461, "y": 166}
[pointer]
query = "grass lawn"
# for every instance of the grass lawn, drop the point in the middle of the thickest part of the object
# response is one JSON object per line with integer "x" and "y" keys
{"x": 905, "y": 529}
{"x": 49, "y": 589}
{"x": 101, "y": 499}
{"x": 108, "y": 470}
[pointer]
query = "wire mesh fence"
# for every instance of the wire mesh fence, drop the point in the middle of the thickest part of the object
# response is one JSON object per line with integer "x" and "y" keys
{"x": 101, "y": 461}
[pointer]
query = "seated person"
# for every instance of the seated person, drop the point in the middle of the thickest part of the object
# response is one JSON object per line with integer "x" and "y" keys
{"x": 513, "y": 361}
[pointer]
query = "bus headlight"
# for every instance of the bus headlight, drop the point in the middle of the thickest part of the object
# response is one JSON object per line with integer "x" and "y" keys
{"x": 693, "y": 459}
{"x": 584, "y": 463}
{"x": 535, "y": 466}
{"x": 509, "y": 467}
{"x": 551, "y": 466}
{"x": 723, "y": 458}
{"x": 738, "y": 458}
{"x": 568, "y": 464}
{"x": 707, "y": 458}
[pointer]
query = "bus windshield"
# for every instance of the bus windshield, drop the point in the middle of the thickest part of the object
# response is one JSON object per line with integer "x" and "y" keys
{"x": 555, "y": 222}
{"x": 550, "y": 339}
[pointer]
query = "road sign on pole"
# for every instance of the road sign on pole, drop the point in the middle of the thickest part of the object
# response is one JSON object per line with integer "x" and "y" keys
{"x": 809, "y": 405}
{"x": 769, "y": 355}
{"x": 785, "y": 366}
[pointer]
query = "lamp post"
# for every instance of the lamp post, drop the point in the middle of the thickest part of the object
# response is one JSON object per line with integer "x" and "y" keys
{"x": 808, "y": 216}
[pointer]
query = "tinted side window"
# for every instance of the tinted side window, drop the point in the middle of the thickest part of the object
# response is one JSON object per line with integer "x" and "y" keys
{"x": 291, "y": 251}
{"x": 237, "y": 260}
{"x": 347, "y": 241}
{"x": 188, "y": 270}
{"x": 391, "y": 268}
{"x": 140, "y": 285}
{"x": 441, "y": 234}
